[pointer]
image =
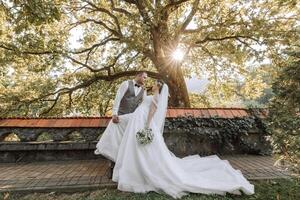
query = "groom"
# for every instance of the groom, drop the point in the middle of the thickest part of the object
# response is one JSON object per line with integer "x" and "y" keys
{"x": 129, "y": 95}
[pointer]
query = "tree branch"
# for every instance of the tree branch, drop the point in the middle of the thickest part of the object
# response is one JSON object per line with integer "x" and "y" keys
{"x": 120, "y": 10}
{"x": 52, "y": 106}
{"x": 87, "y": 83}
{"x": 130, "y": 1}
{"x": 107, "y": 68}
{"x": 143, "y": 13}
{"x": 190, "y": 16}
{"x": 27, "y": 51}
{"x": 103, "y": 42}
{"x": 114, "y": 32}
{"x": 172, "y": 6}
{"x": 208, "y": 39}
{"x": 103, "y": 10}
{"x": 216, "y": 25}
{"x": 175, "y": 3}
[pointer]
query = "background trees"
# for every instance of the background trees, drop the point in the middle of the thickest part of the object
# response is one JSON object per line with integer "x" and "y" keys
{"x": 284, "y": 122}
{"x": 45, "y": 72}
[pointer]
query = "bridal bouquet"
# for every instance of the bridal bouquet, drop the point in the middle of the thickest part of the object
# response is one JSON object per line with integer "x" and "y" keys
{"x": 144, "y": 136}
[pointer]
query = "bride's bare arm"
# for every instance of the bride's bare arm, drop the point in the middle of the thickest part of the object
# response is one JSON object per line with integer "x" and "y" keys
{"x": 152, "y": 110}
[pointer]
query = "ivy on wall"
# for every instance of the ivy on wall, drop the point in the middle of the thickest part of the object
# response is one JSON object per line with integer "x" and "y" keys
{"x": 230, "y": 132}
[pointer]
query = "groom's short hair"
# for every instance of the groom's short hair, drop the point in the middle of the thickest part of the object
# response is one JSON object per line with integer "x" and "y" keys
{"x": 140, "y": 73}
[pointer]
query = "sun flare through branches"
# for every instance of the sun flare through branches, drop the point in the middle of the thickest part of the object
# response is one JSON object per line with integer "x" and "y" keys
{"x": 178, "y": 54}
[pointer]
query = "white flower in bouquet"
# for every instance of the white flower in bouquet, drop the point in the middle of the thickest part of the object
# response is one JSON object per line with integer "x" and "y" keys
{"x": 144, "y": 136}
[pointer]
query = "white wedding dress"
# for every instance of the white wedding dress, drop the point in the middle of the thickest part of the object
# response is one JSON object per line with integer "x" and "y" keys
{"x": 153, "y": 167}
{"x": 108, "y": 144}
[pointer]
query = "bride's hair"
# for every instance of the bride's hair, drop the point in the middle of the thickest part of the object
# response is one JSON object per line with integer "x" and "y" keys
{"x": 160, "y": 84}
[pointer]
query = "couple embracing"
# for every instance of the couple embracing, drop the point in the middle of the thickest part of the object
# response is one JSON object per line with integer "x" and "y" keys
{"x": 153, "y": 167}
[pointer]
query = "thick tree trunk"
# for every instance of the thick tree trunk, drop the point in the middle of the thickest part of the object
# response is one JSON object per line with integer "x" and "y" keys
{"x": 179, "y": 96}
{"x": 169, "y": 71}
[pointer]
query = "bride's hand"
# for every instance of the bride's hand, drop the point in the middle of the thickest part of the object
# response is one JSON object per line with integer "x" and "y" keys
{"x": 115, "y": 119}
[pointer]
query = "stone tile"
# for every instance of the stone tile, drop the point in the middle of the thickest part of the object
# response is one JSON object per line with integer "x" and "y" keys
{"x": 60, "y": 174}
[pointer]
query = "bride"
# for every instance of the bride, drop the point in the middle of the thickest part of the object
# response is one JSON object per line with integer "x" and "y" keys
{"x": 152, "y": 167}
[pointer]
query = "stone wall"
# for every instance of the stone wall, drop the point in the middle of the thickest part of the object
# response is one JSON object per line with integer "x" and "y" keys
{"x": 183, "y": 136}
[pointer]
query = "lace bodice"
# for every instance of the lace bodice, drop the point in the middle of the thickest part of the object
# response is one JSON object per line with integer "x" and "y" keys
{"x": 148, "y": 99}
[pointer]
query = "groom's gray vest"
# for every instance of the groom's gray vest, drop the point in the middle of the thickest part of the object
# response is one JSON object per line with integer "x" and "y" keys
{"x": 130, "y": 102}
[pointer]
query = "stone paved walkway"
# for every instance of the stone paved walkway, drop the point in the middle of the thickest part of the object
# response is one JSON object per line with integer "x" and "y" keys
{"x": 89, "y": 174}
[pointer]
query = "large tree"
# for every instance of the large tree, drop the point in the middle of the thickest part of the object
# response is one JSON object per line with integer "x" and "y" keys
{"x": 121, "y": 37}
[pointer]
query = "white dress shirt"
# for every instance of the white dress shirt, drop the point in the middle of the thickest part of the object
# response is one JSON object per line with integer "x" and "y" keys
{"x": 120, "y": 93}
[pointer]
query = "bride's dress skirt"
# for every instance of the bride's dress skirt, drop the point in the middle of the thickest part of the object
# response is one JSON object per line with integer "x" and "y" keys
{"x": 111, "y": 138}
{"x": 154, "y": 168}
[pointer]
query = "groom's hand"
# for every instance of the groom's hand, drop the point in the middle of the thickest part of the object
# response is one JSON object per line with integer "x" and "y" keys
{"x": 115, "y": 119}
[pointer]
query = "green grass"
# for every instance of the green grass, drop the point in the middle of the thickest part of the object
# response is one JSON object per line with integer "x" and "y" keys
{"x": 280, "y": 189}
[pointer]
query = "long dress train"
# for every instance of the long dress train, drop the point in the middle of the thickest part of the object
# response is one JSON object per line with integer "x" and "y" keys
{"x": 154, "y": 168}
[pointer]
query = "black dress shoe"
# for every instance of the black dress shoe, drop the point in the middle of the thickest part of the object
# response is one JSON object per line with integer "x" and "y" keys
{"x": 111, "y": 169}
